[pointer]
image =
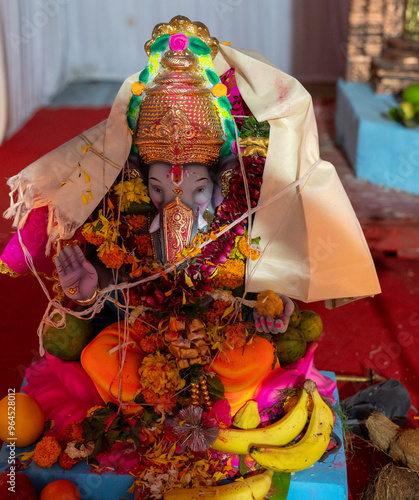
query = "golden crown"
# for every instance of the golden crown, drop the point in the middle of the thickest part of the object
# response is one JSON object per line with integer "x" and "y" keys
{"x": 178, "y": 123}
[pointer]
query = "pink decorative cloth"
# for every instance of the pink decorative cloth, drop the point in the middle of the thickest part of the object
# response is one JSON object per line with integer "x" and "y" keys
{"x": 295, "y": 374}
{"x": 34, "y": 236}
{"x": 62, "y": 388}
{"x": 238, "y": 106}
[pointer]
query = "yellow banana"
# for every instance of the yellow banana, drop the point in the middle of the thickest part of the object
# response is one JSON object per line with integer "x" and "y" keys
{"x": 252, "y": 488}
{"x": 305, "y": 452}
{"x": 283, "y": 431}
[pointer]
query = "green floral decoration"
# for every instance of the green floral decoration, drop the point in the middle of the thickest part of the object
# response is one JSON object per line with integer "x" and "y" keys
{"x": 161, "y": 44}
{"x": 212, "y": 76}
{"x": 198, "y": 47}
{"x": 252, "y": 128}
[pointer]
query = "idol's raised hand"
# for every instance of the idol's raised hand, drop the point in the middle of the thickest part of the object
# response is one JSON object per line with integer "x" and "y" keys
{"x": 278, "y": 324}
{"x": 77, "y": 276}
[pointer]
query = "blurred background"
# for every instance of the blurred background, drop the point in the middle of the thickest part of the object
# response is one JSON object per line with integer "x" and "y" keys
{"x": 46, "y": 44}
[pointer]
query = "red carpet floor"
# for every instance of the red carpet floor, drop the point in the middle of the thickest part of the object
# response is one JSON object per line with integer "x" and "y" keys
{"x": 380, "y": 333}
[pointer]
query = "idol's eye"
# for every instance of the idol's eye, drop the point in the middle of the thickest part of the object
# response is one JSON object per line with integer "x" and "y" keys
{"x": 157, "y": 189}
{"x": 200, "y": 190}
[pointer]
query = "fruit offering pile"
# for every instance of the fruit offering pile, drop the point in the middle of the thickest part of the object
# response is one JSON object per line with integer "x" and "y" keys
{"x": 304, "y": 327}
{"x": 407, "y": 113}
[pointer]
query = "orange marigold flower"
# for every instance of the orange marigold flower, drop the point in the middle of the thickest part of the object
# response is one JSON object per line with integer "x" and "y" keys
{"x": 245, "y": 249}
{"x": 47, "y": 452}
{"x": 67, "y": 462}
{"x": 216, "y": 311}
{"x": 137, "y": 222}
{"x": 162, "y": 402}
{"x": 71, "y": 432}
{"x": 93, "y": 238}
{"x": 144, "y": 324}
{"x": 143, "y": 242}
{"x": 235, "y": 335}
{"x": 148, "y": 344}
{"x": 111, "y": 255}
{"x": 231, "y": 274}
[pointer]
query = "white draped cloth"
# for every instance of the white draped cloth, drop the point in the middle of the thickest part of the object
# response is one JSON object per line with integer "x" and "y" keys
{"x": 312, "y": 245}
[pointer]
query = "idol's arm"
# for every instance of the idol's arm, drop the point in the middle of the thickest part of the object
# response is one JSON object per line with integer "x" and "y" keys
{"x": 77, "y": 276}
{"x": 278, "y": 324}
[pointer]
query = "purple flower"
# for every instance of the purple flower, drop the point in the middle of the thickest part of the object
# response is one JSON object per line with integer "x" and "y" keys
{"x": 178, "y": 41}
{"x": 195, "y": 429}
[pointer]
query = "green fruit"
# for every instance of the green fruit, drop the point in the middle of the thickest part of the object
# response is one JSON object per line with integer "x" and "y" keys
{"x": 311, "y": 325}
{"x": 296, "y": 316}
{"x": 290, "y": 346}
{"x": 408, "y": 109}
{"x": 411, "y": 94}
{"x": 68, "y": 342}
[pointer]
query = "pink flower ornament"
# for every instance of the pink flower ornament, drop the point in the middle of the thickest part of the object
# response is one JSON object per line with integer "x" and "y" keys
{"x": 178, "y": 42}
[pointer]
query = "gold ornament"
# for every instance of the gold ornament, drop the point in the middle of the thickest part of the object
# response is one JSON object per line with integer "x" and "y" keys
{"x": 178, "y": 123}
{"x": 181, "y": 24}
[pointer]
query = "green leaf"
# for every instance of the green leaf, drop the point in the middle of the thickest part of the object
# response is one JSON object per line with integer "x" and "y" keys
{"x": 112, "y": 436}
{"x": 224, "y": 102}
{"x": 243, "y": 468}
{"x": 196, "y": 373}
{"x": 197, "y": 46}
{"x": 215, "y": 387}
{"x": 230, "y": 129}
{"x": 226, "y": 149}
{"x": 212, "y": 76}
{"x": 281, "y": 485}
{"x": 160, "y": 44}
{"x": 144, "y": 75}
{"x": 98, "y": 446}
{"x": 134, "y": 102}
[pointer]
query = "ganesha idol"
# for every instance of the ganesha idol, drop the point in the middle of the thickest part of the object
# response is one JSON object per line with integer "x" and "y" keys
{"x": 203, "y": 189}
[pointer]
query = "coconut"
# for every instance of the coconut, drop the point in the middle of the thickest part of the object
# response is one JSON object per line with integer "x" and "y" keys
{"x": 392, "y": 483}
{"x": 401, "y": 444}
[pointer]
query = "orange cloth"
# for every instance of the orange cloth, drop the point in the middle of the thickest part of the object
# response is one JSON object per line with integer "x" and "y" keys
{"x": 102, "y": 361}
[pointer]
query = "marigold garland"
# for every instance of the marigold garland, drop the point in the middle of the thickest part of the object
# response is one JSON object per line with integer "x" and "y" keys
{"x": 231, "y": 274}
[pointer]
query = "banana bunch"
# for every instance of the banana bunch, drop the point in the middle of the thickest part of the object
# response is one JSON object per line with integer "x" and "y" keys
{"x": 308, "y": 449}
{"x": 280, "y": 433}
{"x": 252, "y": 488}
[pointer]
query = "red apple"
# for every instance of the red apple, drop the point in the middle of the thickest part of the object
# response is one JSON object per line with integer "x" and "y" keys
{"x": 16, "y": 486}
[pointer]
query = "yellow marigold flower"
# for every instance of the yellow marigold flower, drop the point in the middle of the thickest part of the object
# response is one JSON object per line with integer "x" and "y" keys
{"x": 47, "y": 452}
{"x": 111, "y": 255}
{"x": 132, "y": 191}
{"x": 159, "y": 374}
